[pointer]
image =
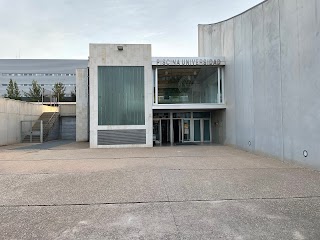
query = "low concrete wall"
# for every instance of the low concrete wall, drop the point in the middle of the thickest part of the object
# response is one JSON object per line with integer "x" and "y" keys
{"x": 68, "y": 110}
{"x": 12, "y": 112}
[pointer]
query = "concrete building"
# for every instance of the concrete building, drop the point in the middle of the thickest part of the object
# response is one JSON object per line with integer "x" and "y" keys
{"x": 46, "y": 72}
{"x": 255, "y": 85}
{"x": 138, "y": 101}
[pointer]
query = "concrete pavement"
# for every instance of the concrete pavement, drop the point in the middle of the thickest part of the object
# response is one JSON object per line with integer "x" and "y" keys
{"x": 68, "y": 191}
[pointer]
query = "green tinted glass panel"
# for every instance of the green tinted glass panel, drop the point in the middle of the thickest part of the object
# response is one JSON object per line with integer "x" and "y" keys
{"x": 206, "y": 130}
{"x": 197, "y": 135}
{"x": 121, "y": 95}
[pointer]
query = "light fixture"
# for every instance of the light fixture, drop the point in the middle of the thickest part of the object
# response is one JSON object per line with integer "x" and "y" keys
{"x": 120, "y": 48}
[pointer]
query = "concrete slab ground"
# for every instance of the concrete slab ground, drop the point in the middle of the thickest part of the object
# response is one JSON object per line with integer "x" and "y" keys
{"x": 68, "y": 191}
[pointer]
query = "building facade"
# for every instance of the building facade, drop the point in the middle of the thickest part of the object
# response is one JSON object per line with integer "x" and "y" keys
{"x": 137, "y": 100}
{"x": 255, "y": 85}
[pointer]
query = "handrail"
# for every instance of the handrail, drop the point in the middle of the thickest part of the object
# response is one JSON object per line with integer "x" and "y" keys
{"x": 31, "y": 129}
{"x": 49, "y": 125}
{"x": 54, "y": 113}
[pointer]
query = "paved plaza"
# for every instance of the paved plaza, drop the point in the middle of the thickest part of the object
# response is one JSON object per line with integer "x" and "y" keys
{"x": 65, "y": 190}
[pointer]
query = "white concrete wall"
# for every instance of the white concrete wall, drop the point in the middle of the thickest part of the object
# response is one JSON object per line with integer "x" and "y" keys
{"x": 12, "y": 112}
{"x": 272, "y": 83}
{"x": 67, "y": 110}
{"x": 82, "y": 118}
{"x": 109, "y": 55}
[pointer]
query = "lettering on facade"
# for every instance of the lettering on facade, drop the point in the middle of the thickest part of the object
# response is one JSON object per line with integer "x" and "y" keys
{"x": 187, "y": 62}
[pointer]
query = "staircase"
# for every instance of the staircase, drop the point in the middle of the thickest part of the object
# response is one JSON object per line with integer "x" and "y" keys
{"x": 48, "y": 120}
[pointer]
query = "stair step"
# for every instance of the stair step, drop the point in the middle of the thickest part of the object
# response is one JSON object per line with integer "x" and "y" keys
{"x": 45, "y": 117}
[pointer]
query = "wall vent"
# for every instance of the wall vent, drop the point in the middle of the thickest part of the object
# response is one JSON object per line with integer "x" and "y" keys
{"x": 121, "y": 137}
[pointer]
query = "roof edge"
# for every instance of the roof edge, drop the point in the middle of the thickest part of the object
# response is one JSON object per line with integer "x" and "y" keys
{"x": 234, "y": 15}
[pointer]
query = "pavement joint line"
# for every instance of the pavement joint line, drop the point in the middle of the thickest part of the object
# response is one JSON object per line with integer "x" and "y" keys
{"x": 88, "y": 159}
{"x": 161, "y": 157}
{"x": 232, "y": 169}
{"x": 149, "y": 170}
{"x": 155, "y": 202}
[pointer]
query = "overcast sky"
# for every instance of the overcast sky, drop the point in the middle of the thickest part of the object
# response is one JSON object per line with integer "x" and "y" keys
{"x": 64, "y": 28}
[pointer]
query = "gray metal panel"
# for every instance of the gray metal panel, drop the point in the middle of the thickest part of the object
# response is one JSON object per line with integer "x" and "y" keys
{"x": 68, "y": 128}
{"x": 121, "y": 137}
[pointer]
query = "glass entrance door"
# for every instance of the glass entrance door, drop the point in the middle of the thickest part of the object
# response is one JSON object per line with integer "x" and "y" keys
{"x": 179, "y": 127}
{"x": 186, "y": 130}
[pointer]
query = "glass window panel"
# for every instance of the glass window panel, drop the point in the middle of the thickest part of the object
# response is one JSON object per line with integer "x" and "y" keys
{"x": 121, "y": 95}
{"x": 206, "y": 130}
{"x": 197, "y": 134}
{"x": 201, "y": 114}
{"x": 182, "y": 115}
{"x": 161, "y": 115}
{"x": 187, "y": 85}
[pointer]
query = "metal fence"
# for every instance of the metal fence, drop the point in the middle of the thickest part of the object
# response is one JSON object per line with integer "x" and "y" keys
{"x": 32, "y": 131}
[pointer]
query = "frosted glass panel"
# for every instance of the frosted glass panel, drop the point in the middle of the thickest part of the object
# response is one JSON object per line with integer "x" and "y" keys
{"x": 121, "y": 95}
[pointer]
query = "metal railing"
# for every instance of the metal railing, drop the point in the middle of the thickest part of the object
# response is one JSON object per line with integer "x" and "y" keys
{"x": 32, "y": 131}
{"x": 48, "y": 126}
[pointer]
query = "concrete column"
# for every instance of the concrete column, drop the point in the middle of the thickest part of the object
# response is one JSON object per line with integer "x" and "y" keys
{"x": 82, "y": 108}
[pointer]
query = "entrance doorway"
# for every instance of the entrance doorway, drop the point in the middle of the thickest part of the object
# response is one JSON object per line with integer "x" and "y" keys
{"x": 177, "y": 130}
{"x": 181, "y": 127}
{"x": 165, "y": 131}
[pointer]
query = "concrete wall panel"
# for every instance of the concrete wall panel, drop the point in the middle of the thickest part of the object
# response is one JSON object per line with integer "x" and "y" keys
{"x": 216, "y": 39}
{"x": 272, "y": 79}
{"x": 258, "y": 58}
{"x": 12, "y": 112}
{"x": 206, "y": 38}
{"x": 228, "y": 51}
{"x": 201, "y": 36}
{"x": 268, "y": 124}
{"x": 3, "y": 127}
{"x": 82, "y": 120}
{"x": 291, "y": 84}
{"x": 244, "y": 82}
{"x": 309, "y": 55}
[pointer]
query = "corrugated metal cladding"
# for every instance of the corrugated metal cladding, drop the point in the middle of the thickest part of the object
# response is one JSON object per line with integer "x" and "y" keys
{"x": 68, "y": 128}
{"x": 121, "y": 137}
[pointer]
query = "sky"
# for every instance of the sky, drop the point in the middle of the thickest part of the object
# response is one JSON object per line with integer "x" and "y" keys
{"x": 63, "y": 29}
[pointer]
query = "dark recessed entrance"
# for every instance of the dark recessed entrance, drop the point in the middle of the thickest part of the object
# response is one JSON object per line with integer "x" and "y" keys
{"x": 176, "y": 130}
